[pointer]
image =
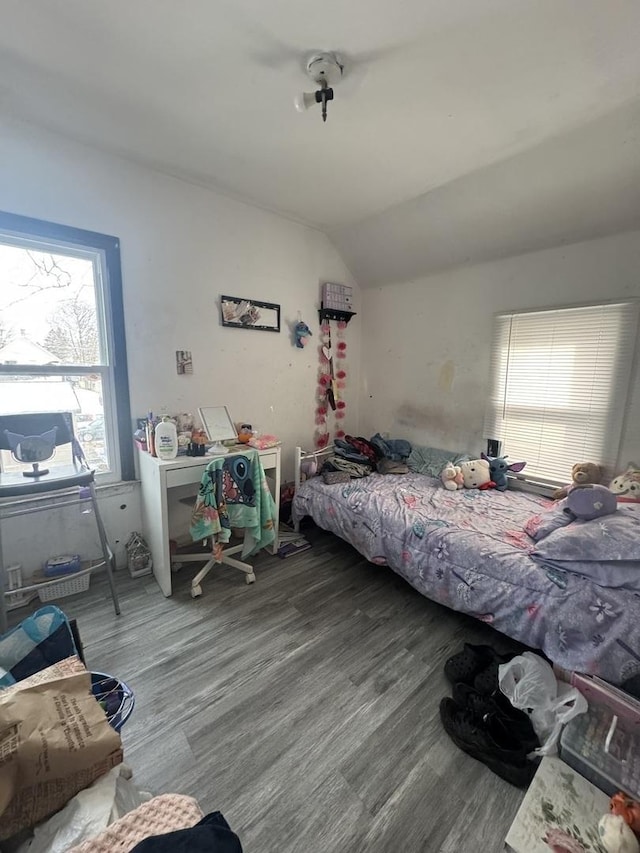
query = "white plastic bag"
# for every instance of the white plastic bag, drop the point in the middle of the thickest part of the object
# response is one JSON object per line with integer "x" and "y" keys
{"x": 528, "y": 683}
{"x": 88, "y": 813}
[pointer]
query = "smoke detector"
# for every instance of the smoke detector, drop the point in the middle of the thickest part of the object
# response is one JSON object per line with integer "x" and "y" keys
{"x": 325, "y": 70}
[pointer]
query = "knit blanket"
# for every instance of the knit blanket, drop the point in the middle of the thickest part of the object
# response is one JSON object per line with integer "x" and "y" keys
{"x": 234, "y": 493}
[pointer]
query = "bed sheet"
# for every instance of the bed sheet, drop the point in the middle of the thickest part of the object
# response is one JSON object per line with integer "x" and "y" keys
{"x": 468, "y": 550}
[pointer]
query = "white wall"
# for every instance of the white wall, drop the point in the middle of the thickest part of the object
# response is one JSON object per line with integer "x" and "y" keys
{"x": 426, "y": 343}
{"x": 182, "y": 246}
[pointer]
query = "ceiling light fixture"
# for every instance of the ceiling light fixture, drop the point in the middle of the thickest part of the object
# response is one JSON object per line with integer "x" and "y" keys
{"x": 325, "y": 69}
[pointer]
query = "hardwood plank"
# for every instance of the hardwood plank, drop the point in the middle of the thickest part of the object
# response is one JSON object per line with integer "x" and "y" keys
{"x": 305, "y": 706}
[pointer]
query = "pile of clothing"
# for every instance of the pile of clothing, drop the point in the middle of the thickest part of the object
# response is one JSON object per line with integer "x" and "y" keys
{"x": 358, "y": 457}
{"x": 481, "y": 721}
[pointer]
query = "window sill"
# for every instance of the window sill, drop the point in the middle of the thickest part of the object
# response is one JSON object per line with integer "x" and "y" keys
{"x": 120, "y": 487}
{"x": 105, "y": 490}
{"x": 545, "y": 490}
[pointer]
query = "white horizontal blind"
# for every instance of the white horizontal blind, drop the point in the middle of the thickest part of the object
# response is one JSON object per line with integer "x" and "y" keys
{"x": 559, "y": 383}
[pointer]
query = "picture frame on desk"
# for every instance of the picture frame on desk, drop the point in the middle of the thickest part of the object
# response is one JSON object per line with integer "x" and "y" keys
{"x": 217, "y": 423}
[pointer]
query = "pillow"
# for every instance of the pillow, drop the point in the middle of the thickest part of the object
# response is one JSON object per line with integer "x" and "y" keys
{"x": 544, "y": 523}
{"x": 431, "y": 460}
{"x": 612, "y": 538}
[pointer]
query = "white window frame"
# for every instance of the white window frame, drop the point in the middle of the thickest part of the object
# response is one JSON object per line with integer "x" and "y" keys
{"x": 104, "y": 253}
{"x": 499, "y": 371}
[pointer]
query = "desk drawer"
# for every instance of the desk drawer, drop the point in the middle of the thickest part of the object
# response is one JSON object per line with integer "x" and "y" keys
{"x": 186, "y": 476}
{"x": 193, "y": 473}
{"x": 269, "y": 460}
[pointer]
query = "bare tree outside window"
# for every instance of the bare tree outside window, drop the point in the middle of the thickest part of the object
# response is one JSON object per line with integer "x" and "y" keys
{"x": 50, "y": 301}
{"x": 5, "y": 335}
{"x": 73, "y": 335}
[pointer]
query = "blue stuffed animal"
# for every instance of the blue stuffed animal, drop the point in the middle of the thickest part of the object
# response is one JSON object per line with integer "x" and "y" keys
{"x": 301, "y": 332}
{"x": 498, "y": 467}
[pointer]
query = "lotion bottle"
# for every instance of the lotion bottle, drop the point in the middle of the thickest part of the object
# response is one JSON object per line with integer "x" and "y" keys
{"x": 166, "y": 437}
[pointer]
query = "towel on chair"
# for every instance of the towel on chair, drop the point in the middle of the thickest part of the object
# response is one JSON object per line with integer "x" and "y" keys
{"x": 234, "y": 493}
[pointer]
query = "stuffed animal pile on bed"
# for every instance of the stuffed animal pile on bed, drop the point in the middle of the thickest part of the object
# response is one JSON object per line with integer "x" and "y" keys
{"x": 489, "y": 472}
{"x": 626, "y": 486}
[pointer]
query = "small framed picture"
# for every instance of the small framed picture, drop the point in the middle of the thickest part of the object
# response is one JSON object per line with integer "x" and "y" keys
{"x": 184, "y": 361}
{"x": 249, "y": 314}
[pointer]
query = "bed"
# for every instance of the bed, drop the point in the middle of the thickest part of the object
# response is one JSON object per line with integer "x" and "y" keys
{"x": 468, "y": 550}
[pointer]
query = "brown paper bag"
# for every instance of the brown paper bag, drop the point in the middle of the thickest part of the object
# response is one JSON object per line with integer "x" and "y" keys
{"x": 54, "y": 741}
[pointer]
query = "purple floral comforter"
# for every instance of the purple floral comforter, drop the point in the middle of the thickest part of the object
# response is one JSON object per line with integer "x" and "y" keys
{"x": 468, "y": 550}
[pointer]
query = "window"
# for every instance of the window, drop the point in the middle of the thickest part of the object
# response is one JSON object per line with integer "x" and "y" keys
{"x": 559, "y": 383}
{"x": 62, "y": 344}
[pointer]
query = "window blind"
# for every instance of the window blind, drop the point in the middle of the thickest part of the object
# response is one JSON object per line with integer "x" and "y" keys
{"x": 559, "y": 384}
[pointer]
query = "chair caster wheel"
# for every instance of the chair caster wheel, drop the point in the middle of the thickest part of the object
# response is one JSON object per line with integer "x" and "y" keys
{"x": 196, "y": 591}
{"x": 250, "y": 578}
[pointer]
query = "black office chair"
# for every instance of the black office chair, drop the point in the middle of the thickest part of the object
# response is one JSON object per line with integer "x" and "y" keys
{"x": 32, "y": 439}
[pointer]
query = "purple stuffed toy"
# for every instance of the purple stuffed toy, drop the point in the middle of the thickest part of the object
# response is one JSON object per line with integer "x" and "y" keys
{"x": 499, "y": 467}
{"x": 590, "y": 501}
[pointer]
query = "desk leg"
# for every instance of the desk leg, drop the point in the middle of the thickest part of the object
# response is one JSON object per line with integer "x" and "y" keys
{"x": 155, "y": 517}
{"x": 276, "y": 497}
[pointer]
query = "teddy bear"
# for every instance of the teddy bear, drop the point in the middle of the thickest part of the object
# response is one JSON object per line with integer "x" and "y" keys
{"x": 476, "y": 474}
{"x": 451, "y": 476}
{"x": 582, "y": 474}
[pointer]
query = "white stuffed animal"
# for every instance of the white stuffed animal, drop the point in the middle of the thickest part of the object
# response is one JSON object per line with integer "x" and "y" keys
{"x": 627, "y": 485}
{"x": 616, "y": 836}
{"x": 475, "y": 473}
{"x": 451, "y": 476}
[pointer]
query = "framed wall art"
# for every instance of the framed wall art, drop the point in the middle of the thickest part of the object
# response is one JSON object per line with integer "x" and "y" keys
{"x": 249, "y": 314}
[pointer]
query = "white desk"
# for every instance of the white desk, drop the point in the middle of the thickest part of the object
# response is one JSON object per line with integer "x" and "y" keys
{"x": 158, "y": 476}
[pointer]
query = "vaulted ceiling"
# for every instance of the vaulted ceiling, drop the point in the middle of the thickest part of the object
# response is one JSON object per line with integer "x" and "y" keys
{"x": 435, "y": 91}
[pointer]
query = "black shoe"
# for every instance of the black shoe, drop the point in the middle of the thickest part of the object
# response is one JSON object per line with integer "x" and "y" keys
{"x": 488, "y": 741}
{"x": 464, "y": 667}
{"x": 497, "y": 705}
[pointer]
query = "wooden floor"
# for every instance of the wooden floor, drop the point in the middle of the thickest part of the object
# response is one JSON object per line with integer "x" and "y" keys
{"x": 304, "y": 707}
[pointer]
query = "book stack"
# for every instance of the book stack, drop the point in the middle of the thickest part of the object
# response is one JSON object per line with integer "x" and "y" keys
{"x": 291, "y": 543}
{"x": 289, "y": 549}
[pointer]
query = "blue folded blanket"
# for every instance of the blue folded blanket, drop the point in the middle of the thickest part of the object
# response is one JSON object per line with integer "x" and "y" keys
{"x": 396, "y": 449}
{"x": 431, "y": 460}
